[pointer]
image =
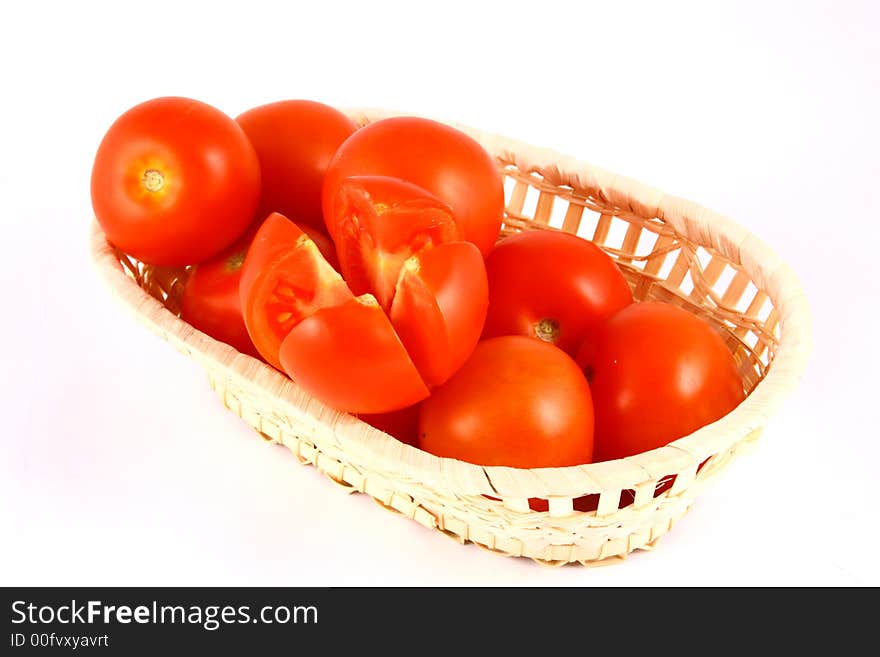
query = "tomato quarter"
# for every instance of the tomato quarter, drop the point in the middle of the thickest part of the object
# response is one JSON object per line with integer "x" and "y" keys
{"x": 284, "y": 279}
{"x": 377, "y": 223}
{"x": 174, "y": 181}
{"x": 304, "y": 320}
{"x": 349, "y": 357}
{"x": 395, "y": 241}
{"x": 440, "y": 306}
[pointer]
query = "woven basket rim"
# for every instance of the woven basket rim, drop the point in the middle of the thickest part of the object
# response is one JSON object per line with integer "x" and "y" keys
{"x": 695, "y": 222}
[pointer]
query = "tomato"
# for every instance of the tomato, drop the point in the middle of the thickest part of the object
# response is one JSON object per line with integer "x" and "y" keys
{"x": 295, "y": 141}
{"x": 440, "y": 306}
{"x": 517, "y": 402}
{"x": 378, "y": 223}
{"x": 436, "y": 157}
{"x": 402, "y": 424}
{"x": 324, "y": 244}
{"x": 349, "y": 357}
{"x": 657, "y": 373}
{"x": 304, "y": 320}
{"x": 210, "y": 301}
{"x": 284, "y": 278}
{"x": 174, "y": 181}
{"x": 395, "y": 241}
{"x": 553, "y": 286}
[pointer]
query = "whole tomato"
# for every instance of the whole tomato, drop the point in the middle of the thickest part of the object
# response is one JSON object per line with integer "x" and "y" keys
{"x": 443, "y": 161}
{"x": 517, "y": 402}
{"x": 174, "y": 181}
{"x": 553, "y": 286}
{"x": 210, "y": 301}
{"x": 295, "y": 141}
{"x": 657, "y": 373}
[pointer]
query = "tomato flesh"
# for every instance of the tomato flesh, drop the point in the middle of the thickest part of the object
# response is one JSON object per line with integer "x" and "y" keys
{"x": 349, "y": 357}
{"x": 377, "y": 223}
{"x": 441, "y": 160}
{"x": 284, "y": 279}
{"x": 323, "y": 242}
{"x": 439, "y": 307}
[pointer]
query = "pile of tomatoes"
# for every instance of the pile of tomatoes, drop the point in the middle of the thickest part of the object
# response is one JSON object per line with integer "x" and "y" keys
{"x": 366, "y": 264}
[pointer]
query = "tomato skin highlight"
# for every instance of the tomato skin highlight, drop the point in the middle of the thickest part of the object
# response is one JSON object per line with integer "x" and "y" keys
{"x": 295, "y": 141}
{"x": 439, "y": 308}
{"x": 552, "y": 285}
{"x": 211, "y": 302}
{"x": 350, "y": 358}
{"x": 438, "y": 158}
{"x": 174, "y": 181}
{"x": 378, "y": 222}
{"x": 517, "y": 402}
{"x": 284, "y": 278}
{"x": 657, "y": 373}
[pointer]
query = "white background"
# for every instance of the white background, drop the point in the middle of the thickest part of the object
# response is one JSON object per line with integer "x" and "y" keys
{"x": 120, "y": 466}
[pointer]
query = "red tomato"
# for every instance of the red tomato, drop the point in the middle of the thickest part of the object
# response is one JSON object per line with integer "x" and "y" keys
{"x": 379, "y": 222}
{"x": 517, "y": 402}
{"x": 553, "y": 286}
{"x": 210, "y": 301}
{"x": 324, "y": 244}
{"x": 657, "y": 373}
{"x": 438, "y": 158}
{"x": 174, "y": 182}
{"x": 440, "y": 306}
{"x": 295, "y": 141}
{"x": 394, "y": 241}
{"x": 402, "y": 424}
{"x": 284, "y": 278}
{"x": 349, "y": 357}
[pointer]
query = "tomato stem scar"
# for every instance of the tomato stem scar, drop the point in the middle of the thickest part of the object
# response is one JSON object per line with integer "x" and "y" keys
{"x": 547, "y": 330}
{"x": 234, "y": 262}
{"x": 153, "y": 180}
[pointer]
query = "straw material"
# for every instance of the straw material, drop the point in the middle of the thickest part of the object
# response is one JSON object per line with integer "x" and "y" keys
{"x": 669, "y": 249}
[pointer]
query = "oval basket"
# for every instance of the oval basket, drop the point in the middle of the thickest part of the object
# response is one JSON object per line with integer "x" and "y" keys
{"x": 669, "y": 249}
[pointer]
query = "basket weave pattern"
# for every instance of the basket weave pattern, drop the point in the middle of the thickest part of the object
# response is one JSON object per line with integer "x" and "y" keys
{"x": 669, "y": 250}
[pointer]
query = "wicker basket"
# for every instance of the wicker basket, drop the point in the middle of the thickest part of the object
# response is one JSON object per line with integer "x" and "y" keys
{"x": 669, "y": 249}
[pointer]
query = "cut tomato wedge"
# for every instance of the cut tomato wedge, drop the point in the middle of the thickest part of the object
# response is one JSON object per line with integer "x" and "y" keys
{"x": 349, "y": 357}
{"x": 284, "y": 279}
{"x": 379, "y": 222}
{"x": 439, "y": 307}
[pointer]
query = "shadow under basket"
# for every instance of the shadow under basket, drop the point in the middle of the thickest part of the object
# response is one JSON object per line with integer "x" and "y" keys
{"x": 669, "y": 249}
